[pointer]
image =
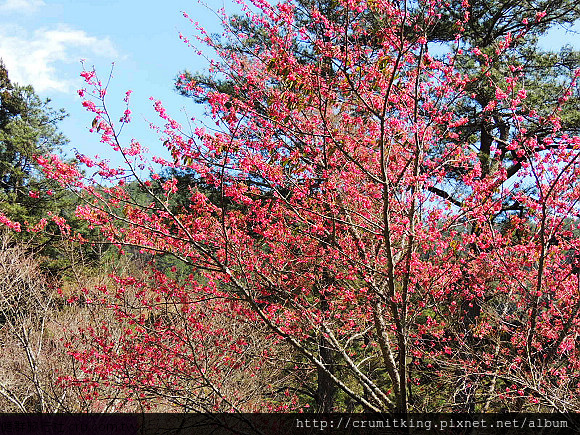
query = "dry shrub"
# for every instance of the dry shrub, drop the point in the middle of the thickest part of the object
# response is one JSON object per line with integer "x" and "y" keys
{"x": 29, "y": 346}
{"x": 46, "y": 330}
{"x": 35, "y": 322}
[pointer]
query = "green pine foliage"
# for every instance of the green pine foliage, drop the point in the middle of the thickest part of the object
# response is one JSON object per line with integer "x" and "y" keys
{"x": 29, "y": 128}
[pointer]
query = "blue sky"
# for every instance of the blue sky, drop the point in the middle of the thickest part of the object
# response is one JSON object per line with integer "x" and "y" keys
{"x": 42, "y": 42}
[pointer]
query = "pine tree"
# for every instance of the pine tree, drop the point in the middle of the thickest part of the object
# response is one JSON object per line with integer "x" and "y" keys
{"x": 27, "y": 128}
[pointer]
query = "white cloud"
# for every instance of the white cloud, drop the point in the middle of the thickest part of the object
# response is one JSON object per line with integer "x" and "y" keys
{"x": 22, "y": 6}
{"x": 37, "y": 59}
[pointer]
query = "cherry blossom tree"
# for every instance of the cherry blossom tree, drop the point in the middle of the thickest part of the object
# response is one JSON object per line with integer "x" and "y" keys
{"x": 335, "y": 208}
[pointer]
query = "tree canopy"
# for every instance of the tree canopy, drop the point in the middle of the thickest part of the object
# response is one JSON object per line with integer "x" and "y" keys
{"x": 28, "y": 127}
{"x": 404, "y": 222}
